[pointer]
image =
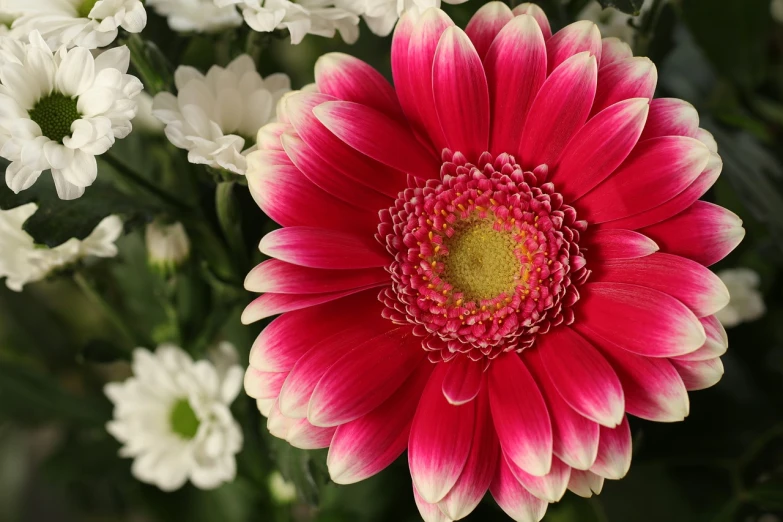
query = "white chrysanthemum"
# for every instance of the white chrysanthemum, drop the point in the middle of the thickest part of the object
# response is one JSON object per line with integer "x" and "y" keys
{"x": 23, "y": 262}
{"x": 58, "y": 111}
{"x": 174, "y": 418}
{"x": 83, "y": 23}
{"x": 611, "y": 22}
{"x": 216, "y": 117}
{"x": 168, "y": 246}
{"x": 196, "y": 15}
{"x": 318, "y": 17}
{"x": 382, "y": 15}
{"x": 746, "y": 302}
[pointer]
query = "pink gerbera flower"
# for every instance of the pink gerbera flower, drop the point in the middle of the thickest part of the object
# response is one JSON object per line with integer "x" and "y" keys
{"x": 488, "y": 265}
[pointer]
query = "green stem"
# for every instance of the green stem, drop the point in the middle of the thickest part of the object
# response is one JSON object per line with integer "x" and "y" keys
{"x": 111, "y": 314}
{"x": 140, "y": 52}
{"x": 140, "y": 181}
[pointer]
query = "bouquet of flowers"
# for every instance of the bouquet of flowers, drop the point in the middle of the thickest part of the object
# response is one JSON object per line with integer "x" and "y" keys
{"x": 482, "y": 238}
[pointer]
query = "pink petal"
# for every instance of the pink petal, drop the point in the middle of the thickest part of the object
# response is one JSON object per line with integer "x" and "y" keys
{"x": 575, "y": 437}
{"x": 585, "y": 483}
{"x": 268, "y": 305}
{"x": 330, "y": 180}
{"x": 699, "y": 375}
{"x": 421, "y": 57}
{"x": 289, "y": 198}
{"x": 350, "y": 79}
{"x": 291, "y": 335}
{"x": 678, "y": 203}
{"x": 693, "y": 284}
{"x": 614, "y": 452}
{"x": 440, "y": 440}
{"x": 551, "y": 487}
{"x": 463, "y": 379}
{"x": 704, "y": 232}
{"x": 280, "y": 277}
{"x": 364, "y": 378}
{"x": 655, "y": 172}
{"x": 321, "y": 248}
{"x": 590, "y": 387}
{"x": 403, "y": 85}
{"x": 367, "y": 445}
{"x": 485, "y": 25}
{"x": 559, "y": 110}
{"x": 513, "y": 498}
{"x": 671, "y": 117}
{"x": 578, "y": 37}
{"x": 328, "y": 148}
{"x": 304, "y": 435}
{"x": 639, "y": 319}
{"x": 653, "y": 390}
{"x": 263, "y": 385}
{"x": 716, "y": 344}
{"x": 480, "y": 467}
{"x": 520, "y": 415}
{"x": 278, "y": 424}
{"x": 538, "y": 15}
{"x": 614, "y": 50}
{"x": 600, "y": 147}
{"x": 429, "y": 512}
{"x": 516, "y": 68}
{"x": 461, "y": 94}
{"x": 612, "y": 244}
{"x": 633, "y": 78}
{"x": 376, "y": 135}
{"x": 312, "y": 366}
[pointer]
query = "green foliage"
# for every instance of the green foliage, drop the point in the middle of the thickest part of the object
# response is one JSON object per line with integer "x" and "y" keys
{"x": 632, "y": 7}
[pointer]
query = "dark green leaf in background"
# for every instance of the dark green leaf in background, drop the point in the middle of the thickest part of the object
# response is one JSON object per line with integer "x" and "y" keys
{"x": 632, "y": 7}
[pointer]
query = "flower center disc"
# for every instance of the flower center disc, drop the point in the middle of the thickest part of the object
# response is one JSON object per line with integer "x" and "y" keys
{"x": 85, "y": 7}
{"x": 183, "y": 420}
{"x": 481, "y": 263}
{"x": 54, "y": 114}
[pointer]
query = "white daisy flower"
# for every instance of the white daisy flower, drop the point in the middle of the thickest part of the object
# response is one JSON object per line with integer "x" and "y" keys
{"x": 83, "y": 23}
{"x": 174, "y": 418}
{"x": 318, "y": 17}
{"x": 58, "y": 111}
{"x": 23, "y": 262}
{"x": 196, "y": 15}
{"x": 382, "y": 15}
{"x": 746, "y": 303}
{"x": 216, "y": 117}
{"x": 168, "y": 246}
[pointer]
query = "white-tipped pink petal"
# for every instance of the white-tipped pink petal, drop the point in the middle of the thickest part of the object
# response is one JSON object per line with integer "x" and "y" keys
{"x": 348, "y": 78}
{"x": 693, "y": 284}
{"x": 551, "y": 487}
{"x": 321, "y": 248}
{"x": 520, "y": 415}
{"x": 513, "y": 498}
{"x": 538, "y": 15}
{"x": 559, "y": 110}
{"x": 377, "y": 367}
{"x": 633, "y": 78}
{"x": 365, "y": 446}
{"x": 671, "y": 117}
{"x": 600, "y": 147}
{"x": 704, "y": 232}
{"x": 639, "y": 319}
{"x": 268, "y": 305}
{"x": 614, "y": 452}
{"x": 699, "y": 375}
{"x": 590, "y": 387}
{"x": 485, "y": 25}
{"x": 378, "y": 136}
{"x": 516, "y": 68}
{"x": 614, "y": 50}
{"x": 578, "y": 37}
{"x": 280, "y": 277}
{"x": 263, "y": 385}
{"x": 609, "y": 244}
{"x": 480, "y": 467}
{"x": 655, "y": 172}
{"x": 399, "y": 64}
{"x": 304, "y": 435}
{"x": 430, "y": 512}
{"x": 585, "y": 483}
{"x": 461, "y": 94}
{"x": 716, "y": 344}
{"x": 463, "y": 379}
{"x": 440, "y": 440}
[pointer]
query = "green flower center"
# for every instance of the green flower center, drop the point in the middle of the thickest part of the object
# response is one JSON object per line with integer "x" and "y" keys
{"x": 481, "y": 261}
{"x": 85, "y": 8}
{"x": 183, "y": 420}
{"x": 55, "y": 114}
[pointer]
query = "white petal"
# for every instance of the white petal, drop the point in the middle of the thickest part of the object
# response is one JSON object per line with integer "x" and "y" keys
{"x": 76, "y": 72}
{"x": 65, "y": 189}
{"x": 83, "y": 169}
{"x": 117, "y": 58}
{"x": 19, "y": 178}
{"x": 57, "y": 155}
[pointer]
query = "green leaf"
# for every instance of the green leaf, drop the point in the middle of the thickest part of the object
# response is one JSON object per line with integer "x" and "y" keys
{"x": 768, "y": 495}
{"x": 297, "y": 466}
{"x": 632, "y": 7}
